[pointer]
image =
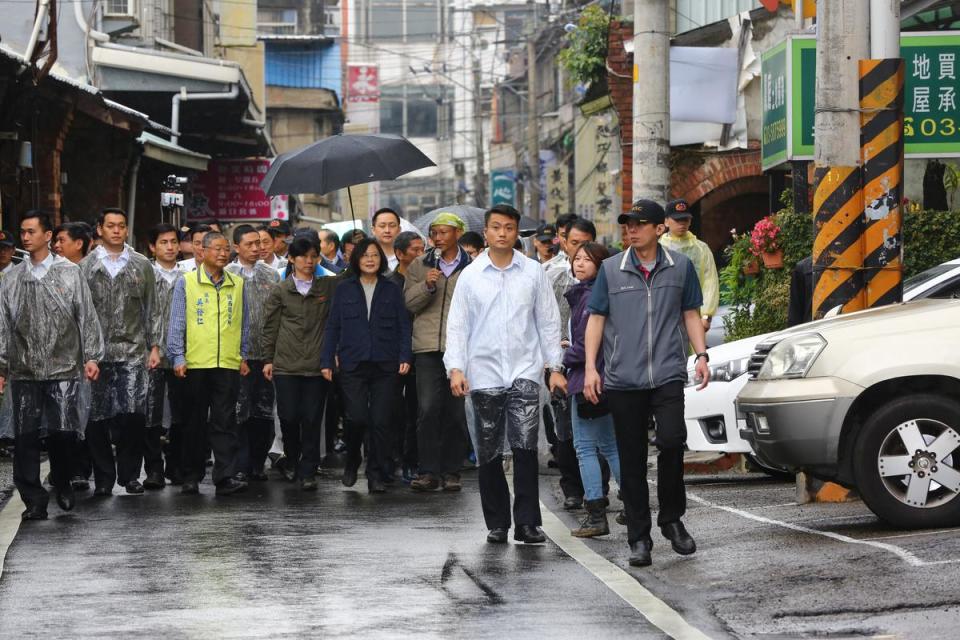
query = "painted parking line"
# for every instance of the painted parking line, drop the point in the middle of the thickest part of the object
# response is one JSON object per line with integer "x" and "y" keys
{"x": 658, "y": 612}
{"x": 915, "y": 534}
{"x": 901, "y": 553}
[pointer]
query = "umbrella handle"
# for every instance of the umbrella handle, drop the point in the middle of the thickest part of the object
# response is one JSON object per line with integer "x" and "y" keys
{"x": 352, "y": 217}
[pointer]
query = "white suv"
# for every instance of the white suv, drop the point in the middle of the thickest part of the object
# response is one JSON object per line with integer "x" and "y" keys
{"x": 870, "y": 400}
{"x": 712, "y": 422}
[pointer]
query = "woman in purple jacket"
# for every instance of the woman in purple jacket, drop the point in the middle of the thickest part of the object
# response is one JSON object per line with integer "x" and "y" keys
{"x": 592, "y": 423}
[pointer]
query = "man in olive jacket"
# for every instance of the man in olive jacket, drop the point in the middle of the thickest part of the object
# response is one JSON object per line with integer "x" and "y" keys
{"x": 441, "y": 422}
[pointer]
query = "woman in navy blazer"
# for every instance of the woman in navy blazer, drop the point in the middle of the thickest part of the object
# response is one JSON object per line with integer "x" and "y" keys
{"x": 368, "y": 336}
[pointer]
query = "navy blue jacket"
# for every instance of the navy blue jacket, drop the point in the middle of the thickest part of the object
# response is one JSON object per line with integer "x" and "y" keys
{"x": 385, "y": 338}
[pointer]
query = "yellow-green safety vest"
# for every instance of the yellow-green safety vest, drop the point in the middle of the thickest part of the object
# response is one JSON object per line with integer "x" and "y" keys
{"x": 214, "y": 321}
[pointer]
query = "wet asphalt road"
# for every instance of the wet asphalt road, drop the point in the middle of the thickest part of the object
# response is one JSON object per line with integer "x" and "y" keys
{"x": 340, "y": 563}
{"x": 280, "y": 563}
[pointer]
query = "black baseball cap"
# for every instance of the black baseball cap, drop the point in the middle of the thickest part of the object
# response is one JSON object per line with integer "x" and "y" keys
{"x": 643, "y": 211}
{"x": 678, "y": 209}
{"x": 6, "y": 239}
{"x": 281, "y": 226}
{"x": 546, "y": 232}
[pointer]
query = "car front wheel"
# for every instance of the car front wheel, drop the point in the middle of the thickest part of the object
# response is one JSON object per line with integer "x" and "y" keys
{"x": 907, "y": 462}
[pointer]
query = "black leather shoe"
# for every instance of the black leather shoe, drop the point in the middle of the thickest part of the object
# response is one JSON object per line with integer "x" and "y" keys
{"x": 497, "y": 536}
{"x": 133, "y": 487}
{"x": 573, "y": 503}
{"x": 240, "y": 476}
{"x": 65, "y": 498}
{"x": 103, "y": 491}
{"x": 375, "y": 485}
{"x": 349, "y": 476}
{"x": 155, "y": 480}
{"x": 189, "y": 488}
{"x": 80, "y": 484}
{"x": 640, "y": 553}
{"x": 258, "y": 476}
{"x": 308, "y": 484}
{"x": 34, "y": 513}
{"x": 230, "y": 486}
{"x": 681, "y": 541}
{"x": 528, "y": 534}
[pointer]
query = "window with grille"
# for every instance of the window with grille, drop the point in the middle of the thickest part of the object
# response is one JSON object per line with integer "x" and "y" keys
{"x": 277, "y": 21}
{"x": 119, "y": 8}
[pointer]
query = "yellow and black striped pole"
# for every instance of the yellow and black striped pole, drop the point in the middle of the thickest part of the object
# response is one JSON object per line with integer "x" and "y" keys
{"x": 838, "y": 245}
{"x": 881, "y": 148}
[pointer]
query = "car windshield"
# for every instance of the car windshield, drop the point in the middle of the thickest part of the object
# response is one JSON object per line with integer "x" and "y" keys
{"x": 926, "y": 276}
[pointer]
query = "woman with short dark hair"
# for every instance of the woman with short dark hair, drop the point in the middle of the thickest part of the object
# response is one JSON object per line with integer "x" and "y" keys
{"x": 368, "y": 334}
{"x": 295, "y": 315}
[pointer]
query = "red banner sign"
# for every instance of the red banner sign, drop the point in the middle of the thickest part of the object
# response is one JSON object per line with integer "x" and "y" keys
{"x": 363, "y": 83}
{"x": 230, "y": 190}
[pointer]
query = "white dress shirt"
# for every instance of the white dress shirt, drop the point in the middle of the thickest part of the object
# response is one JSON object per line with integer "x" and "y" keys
{"x": 168, "y": 274}
{"x": 503, "y": 324}
{"x": 189, "y": 264}
{"x": 113, "y": 262}
{"x": 40, "y": 270}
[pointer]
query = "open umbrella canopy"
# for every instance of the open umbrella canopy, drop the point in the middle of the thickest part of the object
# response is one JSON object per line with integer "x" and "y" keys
{"x": 342, "y": 161}
{"x": 472, "y": 216}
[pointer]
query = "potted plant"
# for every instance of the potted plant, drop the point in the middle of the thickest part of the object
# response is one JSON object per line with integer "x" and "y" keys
{"x": 740, "y": 254}
{"x": 765, "y": 243}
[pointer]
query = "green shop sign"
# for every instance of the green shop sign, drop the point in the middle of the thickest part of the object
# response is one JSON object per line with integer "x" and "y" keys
{"x": 931, "y": 123}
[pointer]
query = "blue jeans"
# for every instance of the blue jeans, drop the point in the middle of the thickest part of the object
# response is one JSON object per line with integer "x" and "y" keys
{"x": 589, "y": 437}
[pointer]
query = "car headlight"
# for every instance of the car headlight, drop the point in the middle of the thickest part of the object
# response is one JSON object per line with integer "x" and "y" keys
{"x": 721, "y": 372}
{"x": 728, "y": 371}
{"x": 792, "y": 357}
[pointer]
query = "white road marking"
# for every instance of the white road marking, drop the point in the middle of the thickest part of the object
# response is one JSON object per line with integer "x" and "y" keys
{"x": 903, "y": 554}
{"x": 914, "y": 535}
{"x": 659, "y": 613}
{"x": 10, "y": 519}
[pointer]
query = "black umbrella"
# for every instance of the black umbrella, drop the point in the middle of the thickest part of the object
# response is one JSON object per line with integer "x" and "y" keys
{"x": 472, "y": 216}
{"x": 342, "y": 161}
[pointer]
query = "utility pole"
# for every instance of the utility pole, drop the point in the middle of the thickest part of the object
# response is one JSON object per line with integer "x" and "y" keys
{"x": 881, "y": 141}
{"x": 533, "y": 139}
{"x": 480, "y": 176}
{"x": 651, "y": 99}
{"x": 842, "y": 40}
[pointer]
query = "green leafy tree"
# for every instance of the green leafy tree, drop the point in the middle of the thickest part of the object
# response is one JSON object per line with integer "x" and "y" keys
{"x": 585, "y": 56}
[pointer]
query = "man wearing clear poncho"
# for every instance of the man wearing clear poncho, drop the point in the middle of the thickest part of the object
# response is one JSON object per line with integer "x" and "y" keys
{"x": 502, "y": 332}
{"x": 123, "y": 287}
{"x": 49, "y": 340}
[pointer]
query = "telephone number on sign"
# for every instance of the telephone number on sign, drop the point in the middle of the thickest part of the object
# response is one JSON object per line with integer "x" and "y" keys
{"x": 929, "y": 127}
{"x": 774, "y": 131}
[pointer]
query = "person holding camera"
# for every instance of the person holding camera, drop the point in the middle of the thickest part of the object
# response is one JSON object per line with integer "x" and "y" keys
{"x": 592, "y": 423}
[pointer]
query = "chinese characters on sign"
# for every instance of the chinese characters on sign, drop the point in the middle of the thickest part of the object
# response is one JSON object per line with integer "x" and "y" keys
{"x": 597, "y": 159}
{"x": 363, "y": 83}
{"x": 230, "y": 190}
{"x": 557, "y": 190}
{"x": 931, "y": 86}
{"x": 773, "y": 85}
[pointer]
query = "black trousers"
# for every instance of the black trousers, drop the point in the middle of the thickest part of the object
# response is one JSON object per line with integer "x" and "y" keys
{"x": 495, "y": 494}
{"x": 26, "y": 465}
{"x": 256, "y": 433}
{"x": 213, "y": 393}
{"x": 442, "y": 421}
{"x": 405, "y": 420}
{"x": 631, "y": 412}
{"x": 300, "y": 402}
{"x": 164, "y": 385}
{"x": 126, "y": 432}
{"x": 368, "y": 395}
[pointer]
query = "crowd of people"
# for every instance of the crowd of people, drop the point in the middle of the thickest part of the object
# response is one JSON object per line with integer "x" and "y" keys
{"x": 418, "y": 356}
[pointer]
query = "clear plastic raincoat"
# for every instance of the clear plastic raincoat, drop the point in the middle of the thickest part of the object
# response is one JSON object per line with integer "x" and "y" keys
{"x": 702, "y": 258}
{"x": 157, "y": 388}
{"x": 125, "y": 305}
{"x": 504, "y": 419}
{"x": 256, "y": 397}
{"x": 48, "y": 330}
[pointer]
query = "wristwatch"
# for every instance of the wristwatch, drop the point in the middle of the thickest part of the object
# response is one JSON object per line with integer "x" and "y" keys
{"x": 705, "y": 356}
{"x": 556, "y": 369}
